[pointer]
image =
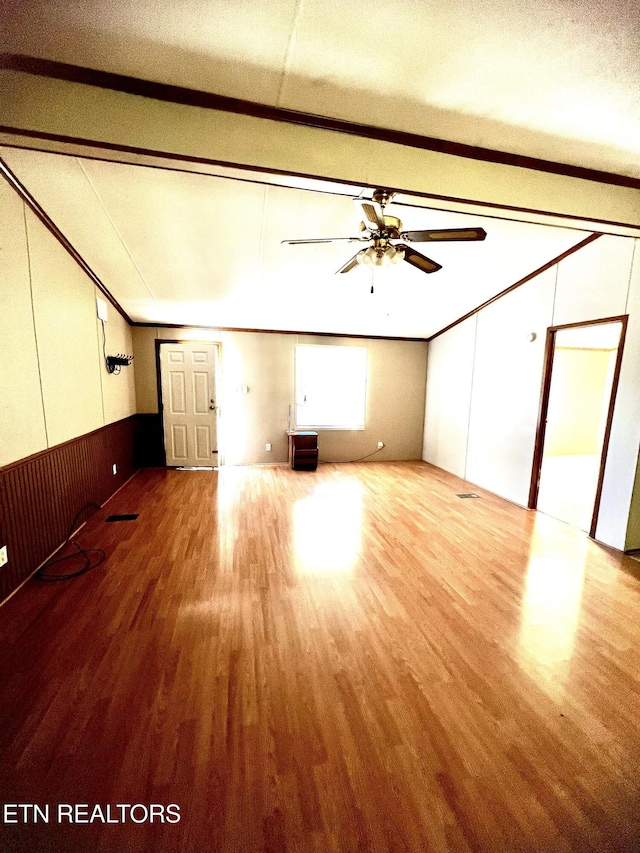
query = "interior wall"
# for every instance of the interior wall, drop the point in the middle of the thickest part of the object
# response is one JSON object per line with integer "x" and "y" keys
{"x": 264, "y": 364}
{"x": 118, "y": 390}
{"x": 20, "y": 397}
{"x": 506, "y": 367}
{"x": 448, "y": 397}
{"x": 632, "y": 542}
{"x": 54, "y": 385}
{"x": 498, "y": 425}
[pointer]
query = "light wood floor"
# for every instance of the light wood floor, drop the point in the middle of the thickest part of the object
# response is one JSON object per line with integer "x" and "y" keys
{"x": 352, "y": 659}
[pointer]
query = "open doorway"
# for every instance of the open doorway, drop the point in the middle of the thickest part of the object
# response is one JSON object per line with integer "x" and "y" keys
{"x": 188, "y": 374}
{"x": 582, "y": 367}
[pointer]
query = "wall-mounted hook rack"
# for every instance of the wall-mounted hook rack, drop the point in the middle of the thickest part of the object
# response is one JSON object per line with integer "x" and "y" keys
{"x": 116, "y": 362}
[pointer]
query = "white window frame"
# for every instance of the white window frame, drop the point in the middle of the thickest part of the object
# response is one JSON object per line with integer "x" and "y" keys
{"x": 354, "y": 370}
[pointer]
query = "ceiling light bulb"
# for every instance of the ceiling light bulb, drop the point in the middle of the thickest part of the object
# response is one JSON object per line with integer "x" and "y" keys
{"x": 380, "y": 260}
{"x": 398, "y": 255}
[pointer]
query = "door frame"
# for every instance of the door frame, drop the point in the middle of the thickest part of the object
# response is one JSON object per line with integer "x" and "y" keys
{"x": 159, "y": 343}
{"x": 544, "y": 409}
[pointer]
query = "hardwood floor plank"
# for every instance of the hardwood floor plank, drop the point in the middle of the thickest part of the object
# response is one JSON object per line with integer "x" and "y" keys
{"x": 351, "y": 659}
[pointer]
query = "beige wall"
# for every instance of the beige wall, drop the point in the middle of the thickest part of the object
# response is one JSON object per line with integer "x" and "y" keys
{"x": 54, "y": 385}
{"x": 493, "y": 442}
{"x": 632, "y": 541}
{"x": 265, "y": 364}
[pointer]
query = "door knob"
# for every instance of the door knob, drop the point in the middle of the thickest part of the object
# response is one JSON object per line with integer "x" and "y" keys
{"x": 212, "y": 405}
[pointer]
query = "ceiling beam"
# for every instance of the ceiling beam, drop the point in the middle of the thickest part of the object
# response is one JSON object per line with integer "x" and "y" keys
{"x": 210, "y": 101}
{"x": 62, "y": 103}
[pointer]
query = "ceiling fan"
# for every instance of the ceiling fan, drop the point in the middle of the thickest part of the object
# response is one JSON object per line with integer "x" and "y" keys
{"x": 382, "y": 232}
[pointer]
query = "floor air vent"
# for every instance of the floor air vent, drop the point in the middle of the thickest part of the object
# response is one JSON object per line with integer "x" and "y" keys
{"x": 469, "y": 495}
{"x": 127, "y": 517}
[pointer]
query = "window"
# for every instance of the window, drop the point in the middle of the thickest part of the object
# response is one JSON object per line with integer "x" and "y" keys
{"x": 331, "y": 385}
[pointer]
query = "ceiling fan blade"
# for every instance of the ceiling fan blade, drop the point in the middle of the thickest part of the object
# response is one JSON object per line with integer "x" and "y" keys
{"x": 444, "y": 234}
{"x": 324, "y": 240}
{"x": 351, "y": 263}
{"x": 372, "y": 212}
{"x": 417, "y": 260}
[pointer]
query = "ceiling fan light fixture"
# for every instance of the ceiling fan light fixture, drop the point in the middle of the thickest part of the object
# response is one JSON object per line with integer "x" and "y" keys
{"x": 380, "y": 229}
{"x": 393, "y": 255}
{"x": 365, "y": 256}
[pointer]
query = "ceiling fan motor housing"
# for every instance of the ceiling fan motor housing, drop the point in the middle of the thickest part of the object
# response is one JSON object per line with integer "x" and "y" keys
{"x": 380, "y": 230}
{"x": 392, "y": 226}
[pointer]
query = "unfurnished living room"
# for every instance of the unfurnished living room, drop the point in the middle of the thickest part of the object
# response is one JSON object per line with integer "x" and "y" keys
{"x": 319, "y": 426}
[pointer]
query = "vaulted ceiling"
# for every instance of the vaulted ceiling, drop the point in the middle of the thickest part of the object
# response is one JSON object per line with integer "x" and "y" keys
{"x": 558, "y": 80}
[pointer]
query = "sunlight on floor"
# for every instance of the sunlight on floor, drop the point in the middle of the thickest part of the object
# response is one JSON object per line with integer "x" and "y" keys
{"x": 551, "y": 603}
{"x": 327, "y": 528}
{"x": 568, "y": 488}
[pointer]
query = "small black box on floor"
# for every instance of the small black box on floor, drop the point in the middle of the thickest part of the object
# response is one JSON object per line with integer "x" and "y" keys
{"x": 303, "y": 450}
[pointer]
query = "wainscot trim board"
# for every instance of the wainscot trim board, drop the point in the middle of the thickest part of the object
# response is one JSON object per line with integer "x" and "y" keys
{"x": 208, "y": 100}
{"x": 42, "y": 495}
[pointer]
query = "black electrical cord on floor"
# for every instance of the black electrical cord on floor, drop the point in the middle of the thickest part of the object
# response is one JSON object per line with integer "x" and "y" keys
{"x": 347, "y": 461}
{"x": 42, "y": 573}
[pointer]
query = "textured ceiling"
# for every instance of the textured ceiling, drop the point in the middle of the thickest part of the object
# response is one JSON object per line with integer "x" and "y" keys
{"x": 555, "y": 79}
{"x": 176, "y": 247}
{"x": 552, "y": 79}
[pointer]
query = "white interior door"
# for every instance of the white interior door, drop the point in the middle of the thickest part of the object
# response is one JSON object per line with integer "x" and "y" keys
{"x": 189, "y": 404}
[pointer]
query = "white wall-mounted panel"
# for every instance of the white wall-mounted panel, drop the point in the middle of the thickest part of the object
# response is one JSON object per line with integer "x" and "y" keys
{"x": 505, "y": 396}
{"x": 21, "y": 414}
{"x": 448, "y": 397}
{"x": 593, "y": 283}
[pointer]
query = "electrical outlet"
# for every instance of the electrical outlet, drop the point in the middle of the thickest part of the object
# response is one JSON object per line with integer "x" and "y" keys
{"x": 115, "y": 468}
{"x": 4, "y": 557}
{"x": 267, "y": 446}
{"x": 380, "y": 445}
